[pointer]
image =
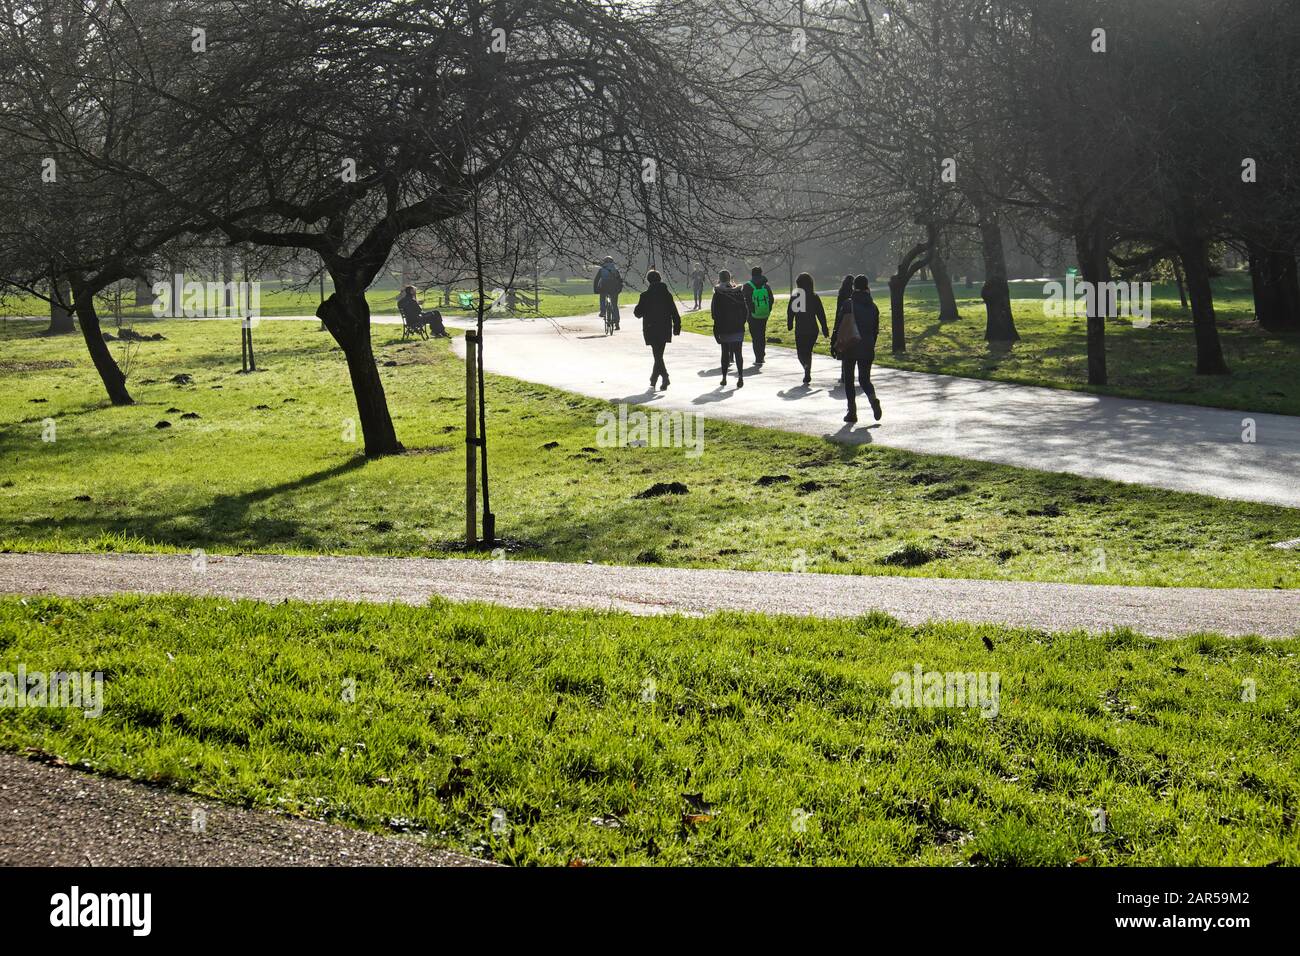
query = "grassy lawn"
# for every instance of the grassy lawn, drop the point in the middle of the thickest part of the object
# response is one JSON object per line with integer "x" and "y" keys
{"x": 1153, "y": 363}
{"x": 267, "y": 466}
{"x": 670, "y": 741}
{"x": 559, "y": 297}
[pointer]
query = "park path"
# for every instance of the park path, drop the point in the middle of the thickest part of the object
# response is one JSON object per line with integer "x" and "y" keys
{"x": 1164, "y": 612}
{"x": 1188, "y": 448}
{"x": 54, "y": 815}
{"x": 1163, "y": 445}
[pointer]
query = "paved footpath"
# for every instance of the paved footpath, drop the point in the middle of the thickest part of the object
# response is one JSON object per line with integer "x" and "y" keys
{"x": 1164, "y": 445}
{"x": 1178, "y": 447}
{"x": 1165, "y": 612}
{"x": 52, "y": 815}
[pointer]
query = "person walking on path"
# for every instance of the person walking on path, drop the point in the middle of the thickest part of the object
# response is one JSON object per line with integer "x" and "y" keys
{"x": 608, "y": 284}
{"x": 857, "y": 327}
{"x": 845, "y": 293}
{"x": 758, "y": 301}
{"x": 697, "y": 285}
{"x": 660, "y": 321}
{"x": 729, "y": 315}
{"x": 806, "y": 315}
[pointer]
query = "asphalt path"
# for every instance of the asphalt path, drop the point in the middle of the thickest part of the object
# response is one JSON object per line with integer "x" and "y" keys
{"x": 1164, "y": 612}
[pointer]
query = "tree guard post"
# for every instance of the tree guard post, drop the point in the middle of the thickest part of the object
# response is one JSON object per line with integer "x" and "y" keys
{"x": 471, "y": 439}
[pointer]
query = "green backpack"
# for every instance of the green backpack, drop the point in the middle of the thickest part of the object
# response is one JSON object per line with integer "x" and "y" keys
{"x": 762, "y": 301}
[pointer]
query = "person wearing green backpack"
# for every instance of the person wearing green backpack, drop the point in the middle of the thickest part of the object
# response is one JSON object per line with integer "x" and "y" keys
{"x": 758, "y": 299}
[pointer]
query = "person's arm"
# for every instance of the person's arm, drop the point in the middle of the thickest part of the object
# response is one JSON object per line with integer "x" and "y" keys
{"x": 789, "y": 312}
{"x": 640, "y": 304}
{"x": 677, "y": 316}
{"x": 821, "y": 313}
{"x": 595, "y": 283}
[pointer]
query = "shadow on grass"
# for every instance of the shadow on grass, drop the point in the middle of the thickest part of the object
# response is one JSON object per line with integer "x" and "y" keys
{"x": 221, "y": 521}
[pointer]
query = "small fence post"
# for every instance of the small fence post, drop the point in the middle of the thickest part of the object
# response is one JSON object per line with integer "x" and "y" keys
{"x": 471, "y": 440}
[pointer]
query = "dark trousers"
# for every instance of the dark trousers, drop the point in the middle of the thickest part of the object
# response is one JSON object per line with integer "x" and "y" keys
{"x": 803, "y": 344}
{"x": 609, "y": 305}
{"x": 758, "y": 335}
{"x": 731, "y": 353}
{"x": 433, "y": 319}
{"x": 660, "y": 368}
{"x": 861, "y": 361}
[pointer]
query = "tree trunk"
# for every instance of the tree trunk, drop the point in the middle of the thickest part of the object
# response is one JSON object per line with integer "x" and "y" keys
{"x": 60, "y": 318}
{"x": 1194, "y": 252}
{"x": 897, "y": 287}
{"x": 227, "y": 279}
{"x": 1290, "y": 283}
{"x": 908, "y": 266}
{"x": 1000, "y": 325}
{"x": 1092, "y": 247}
{"x": 942, "y": 280}
{"x": 347, "y": 316}
{"x": 1182, "y": 284}
{"x": 144, "y": 290}
{"x": 1273, "y": 280}
{"x": 109, "y": 372}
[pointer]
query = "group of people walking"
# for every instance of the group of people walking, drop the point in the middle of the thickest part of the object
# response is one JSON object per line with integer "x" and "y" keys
{"x": 737, "y": 309}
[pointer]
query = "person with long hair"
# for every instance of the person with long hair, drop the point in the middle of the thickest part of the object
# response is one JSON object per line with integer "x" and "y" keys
{"x": 806, "y": 316}
{"x": 862, "y": 311}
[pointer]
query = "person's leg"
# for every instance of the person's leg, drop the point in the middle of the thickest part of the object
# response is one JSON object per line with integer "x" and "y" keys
{"x": 758, "y": 335}
{"x": 613, "y": 305}
{"x": 804, "y": 347}
{"x": 850, "y": 388}
{"x": 740, "y": 367}
{"x": 660, "y": 370}
{"x": 865, "y": 361}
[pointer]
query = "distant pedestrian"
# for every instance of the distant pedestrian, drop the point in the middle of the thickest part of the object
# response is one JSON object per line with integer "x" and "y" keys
{"x": 698, "y": 278}
{"x": 608, "y": 284}
{"x": 758, "y": 299}
{"x": 660, "y": 321}
{"x": 729, "y": 315}
{"x": 806, "y": 315}
{"x": 857, "y": 326}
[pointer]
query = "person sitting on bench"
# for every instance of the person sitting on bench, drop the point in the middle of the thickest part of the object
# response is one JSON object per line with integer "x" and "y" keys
{"x": 416, "y": 318}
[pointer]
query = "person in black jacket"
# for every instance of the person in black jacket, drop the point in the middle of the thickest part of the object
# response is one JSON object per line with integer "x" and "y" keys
{"x": 697, "y": 284}
{"x": 660, "y": 321}
{"x": 415, "y": 316}
{"x": 861, "y": 310}
{"x": 729, "y": 315}
{"x": 759, "y": 300}
{"x": 845, "y": 293}
{"x": 805, "y": 321}
{"x": 608, "y": 284}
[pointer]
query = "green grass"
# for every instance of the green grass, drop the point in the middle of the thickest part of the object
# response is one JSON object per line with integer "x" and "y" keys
{"x": 670, "y": 741}
{"x": 559, "y": 297}
{"x": 266, "y": 468}
{"x": 1155, "y": 363}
